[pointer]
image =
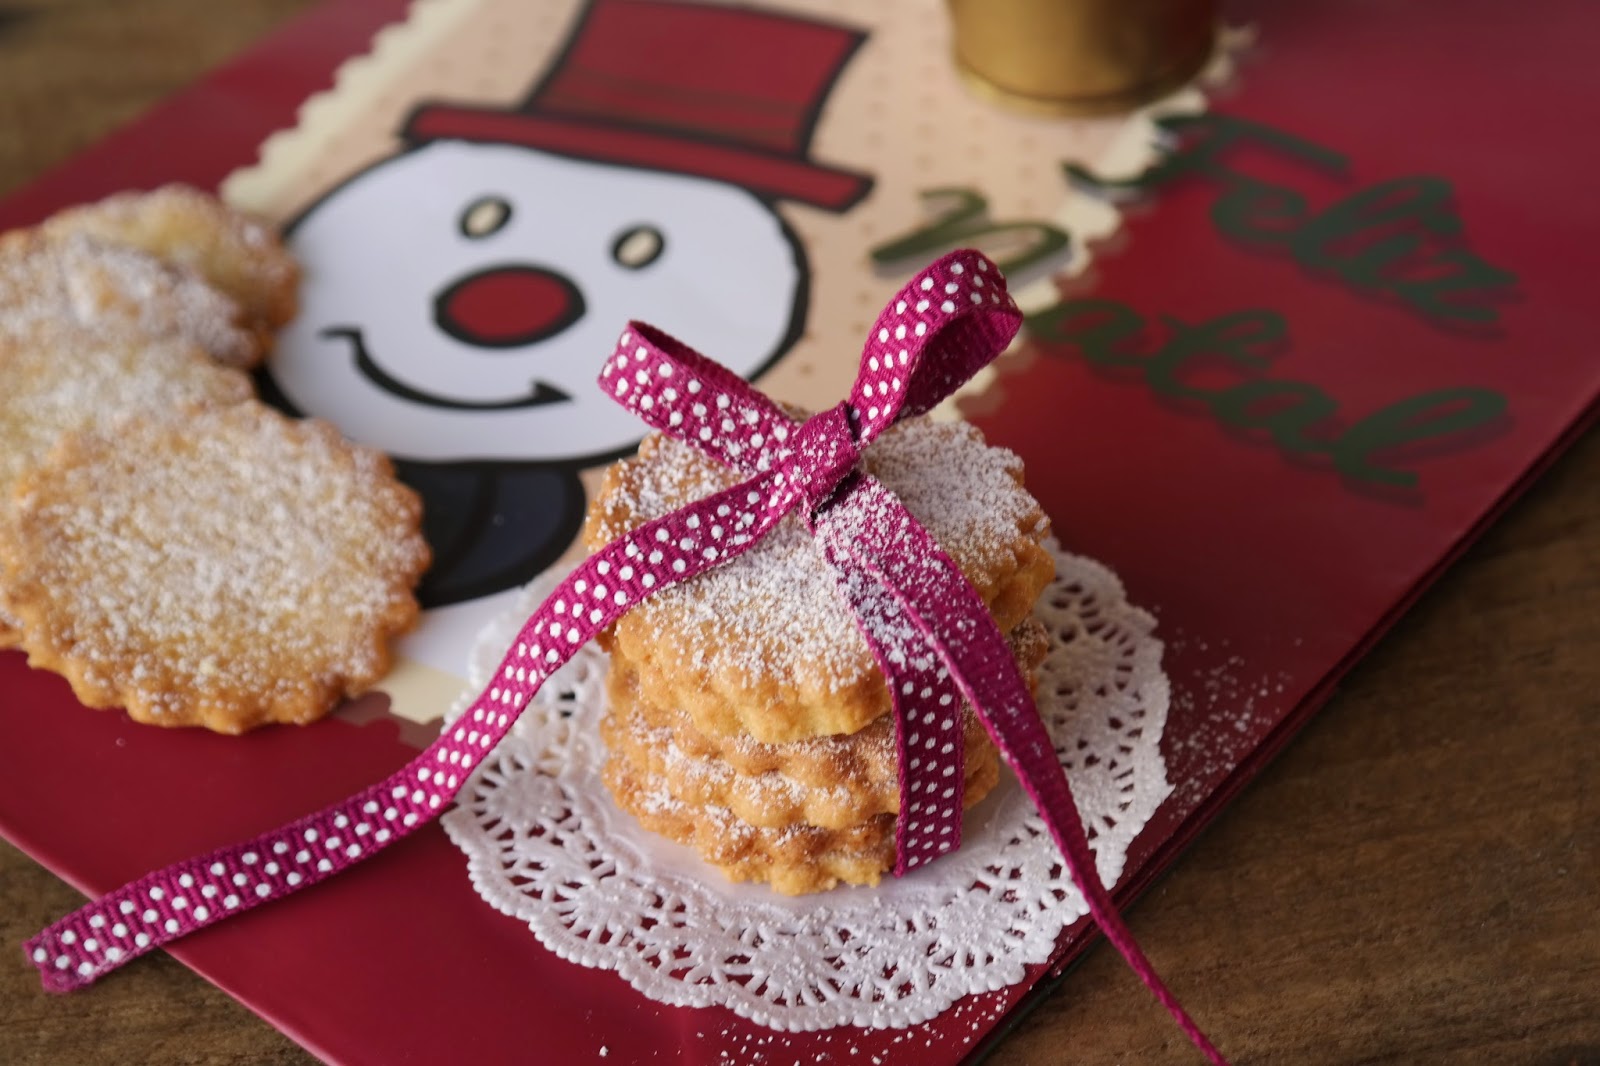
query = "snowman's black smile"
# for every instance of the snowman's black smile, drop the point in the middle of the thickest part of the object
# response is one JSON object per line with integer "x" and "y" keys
{"x": 540, "y": 395}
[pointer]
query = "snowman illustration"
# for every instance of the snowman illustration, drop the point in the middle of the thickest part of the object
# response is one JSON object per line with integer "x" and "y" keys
{"x": 460, "y": 295}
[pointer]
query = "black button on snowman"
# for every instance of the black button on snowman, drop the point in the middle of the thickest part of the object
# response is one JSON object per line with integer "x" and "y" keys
{"x": 460, "y": 296}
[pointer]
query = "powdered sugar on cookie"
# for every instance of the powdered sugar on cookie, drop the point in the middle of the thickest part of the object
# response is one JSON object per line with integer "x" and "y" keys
{"x": 770, "y": 629}
{"x": 60, "y": 377}
{"x": 232, "y": 569}
{"x": 234, "y": 253}
{"x": 122, "y": 292}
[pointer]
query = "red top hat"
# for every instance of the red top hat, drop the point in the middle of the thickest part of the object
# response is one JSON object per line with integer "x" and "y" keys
{"x": 720, "y": 92}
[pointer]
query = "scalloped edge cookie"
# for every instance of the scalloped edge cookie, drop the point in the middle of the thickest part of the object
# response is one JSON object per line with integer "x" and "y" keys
{"x": 227, "y": 570}
{"x": 765, "y": 645}
{"x": 795, "y": 860}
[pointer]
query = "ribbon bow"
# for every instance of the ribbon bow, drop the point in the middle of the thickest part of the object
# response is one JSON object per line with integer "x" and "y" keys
{"x": 927, "y": 627}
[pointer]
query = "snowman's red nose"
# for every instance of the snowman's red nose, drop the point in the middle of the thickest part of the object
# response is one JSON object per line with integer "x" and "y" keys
{"x": 507, "y": 306}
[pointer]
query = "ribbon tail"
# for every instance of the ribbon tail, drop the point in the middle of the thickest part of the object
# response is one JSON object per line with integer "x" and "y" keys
{"x": 872, "y": 529}
{"x": 929, "y": 730}
{"x": 190, "y": 895}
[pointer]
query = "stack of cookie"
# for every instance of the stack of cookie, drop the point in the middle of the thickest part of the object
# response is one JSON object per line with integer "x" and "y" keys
{"x": 747, "y": 716}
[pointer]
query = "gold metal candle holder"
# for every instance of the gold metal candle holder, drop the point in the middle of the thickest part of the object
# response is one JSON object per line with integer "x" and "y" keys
{"x": 1080, "y": 57}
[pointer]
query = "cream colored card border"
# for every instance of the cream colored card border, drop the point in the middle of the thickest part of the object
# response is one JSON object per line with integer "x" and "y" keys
{"x": 357, "y": 84}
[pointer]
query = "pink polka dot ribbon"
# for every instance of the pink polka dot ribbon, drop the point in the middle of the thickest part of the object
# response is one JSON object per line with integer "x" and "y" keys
{"x": 927, "y": 627}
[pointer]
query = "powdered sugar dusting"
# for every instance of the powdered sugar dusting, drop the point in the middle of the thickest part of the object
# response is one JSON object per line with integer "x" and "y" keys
{"x": 768, "y": 799}
{"x": 235, "y": 253}
{"x": 1224, "y": 700}
{"x": 60, "y": 378}
{"x": 123, "y": 292}
{"x": 237, "y": 564}
{"x": 777, "y": 604}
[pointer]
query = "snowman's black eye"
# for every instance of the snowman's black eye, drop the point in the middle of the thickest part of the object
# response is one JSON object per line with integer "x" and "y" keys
{"x": 484, "y": 216}
{"x": 638, "y": 246}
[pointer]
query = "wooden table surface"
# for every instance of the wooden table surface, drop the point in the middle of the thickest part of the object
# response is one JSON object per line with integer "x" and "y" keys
{"x": 1416, "y": 880}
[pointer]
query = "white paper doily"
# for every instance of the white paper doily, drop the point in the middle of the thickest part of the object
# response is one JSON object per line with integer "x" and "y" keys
{"x": 545, "y": 844}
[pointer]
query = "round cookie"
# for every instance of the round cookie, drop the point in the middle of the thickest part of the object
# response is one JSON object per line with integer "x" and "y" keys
{"x": 765, "y": 645}
{"x": 239, "y": 255}
{"x": 795, "y": 859}
{"x": 50, "y": 282}
{"x": 862, "y": 763}
{"x": 226, "y": 570}
{"x": 771, "y": 799}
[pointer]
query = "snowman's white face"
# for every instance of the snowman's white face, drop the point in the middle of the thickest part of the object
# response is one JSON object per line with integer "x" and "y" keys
{"x": 459, "y": 299}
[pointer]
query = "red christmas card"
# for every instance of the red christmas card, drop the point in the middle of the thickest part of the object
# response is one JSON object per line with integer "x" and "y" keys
{"x": 1288, "y": 347}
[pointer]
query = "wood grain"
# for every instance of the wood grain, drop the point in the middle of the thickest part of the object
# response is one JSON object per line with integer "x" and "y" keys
{"x": 1416, "y": 880}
